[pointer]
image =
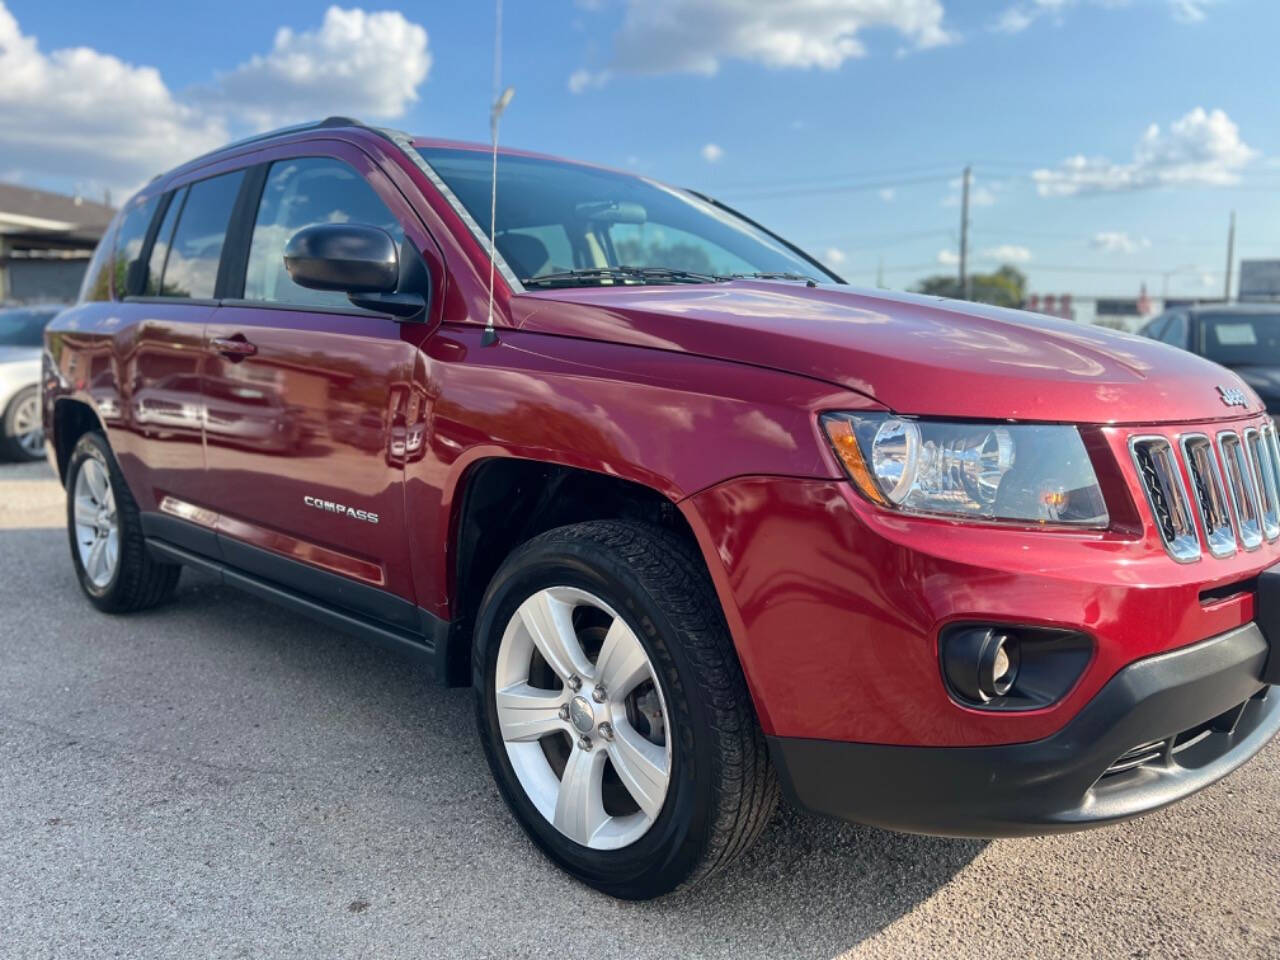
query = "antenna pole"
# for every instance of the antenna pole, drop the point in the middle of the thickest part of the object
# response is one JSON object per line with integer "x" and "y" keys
{"x": 500, "y": 101}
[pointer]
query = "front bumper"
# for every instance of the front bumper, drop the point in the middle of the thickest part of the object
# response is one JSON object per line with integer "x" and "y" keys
{"x": 1191, "y": 715}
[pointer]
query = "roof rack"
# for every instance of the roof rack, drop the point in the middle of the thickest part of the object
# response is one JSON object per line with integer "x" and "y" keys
{"x": 325, "y": 124}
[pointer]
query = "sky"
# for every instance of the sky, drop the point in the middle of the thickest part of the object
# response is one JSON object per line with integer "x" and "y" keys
{"x": 1109, "y": 140}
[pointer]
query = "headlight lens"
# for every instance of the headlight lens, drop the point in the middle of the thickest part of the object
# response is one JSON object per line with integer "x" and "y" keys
{"x": 1016, "y": 472}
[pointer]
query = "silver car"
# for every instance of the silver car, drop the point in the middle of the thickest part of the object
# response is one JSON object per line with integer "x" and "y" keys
{"x": 21, "y": 336}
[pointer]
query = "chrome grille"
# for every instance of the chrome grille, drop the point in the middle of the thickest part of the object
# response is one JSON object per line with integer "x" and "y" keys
{"x": 1208, "y": 494}
{"x": 1264, "y": 478}
{"x": 1167, "y": 496}
{"x": 1244, "y": 496}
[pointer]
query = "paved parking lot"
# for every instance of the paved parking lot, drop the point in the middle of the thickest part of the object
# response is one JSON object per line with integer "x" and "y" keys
{"x": 221, "y": 779}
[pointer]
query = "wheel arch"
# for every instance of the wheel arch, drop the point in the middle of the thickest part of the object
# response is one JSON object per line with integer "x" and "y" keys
{"x": 72, "y": 419}
{"x": 501, "y": 502}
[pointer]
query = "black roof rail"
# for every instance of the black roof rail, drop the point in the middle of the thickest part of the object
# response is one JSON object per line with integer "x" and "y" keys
{"x": 326, "y": 124}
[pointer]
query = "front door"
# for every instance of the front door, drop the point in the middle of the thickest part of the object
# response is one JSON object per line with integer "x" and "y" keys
{"x": 301, "y": 390}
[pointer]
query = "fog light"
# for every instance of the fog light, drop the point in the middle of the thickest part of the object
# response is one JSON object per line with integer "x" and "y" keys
{"x": 981, "y": 663}
{"x": 1002, "y": 667}
{"x": 998, "y": 668}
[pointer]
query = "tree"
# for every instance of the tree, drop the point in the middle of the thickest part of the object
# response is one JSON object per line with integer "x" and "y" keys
{"x": 1004, "y": 288}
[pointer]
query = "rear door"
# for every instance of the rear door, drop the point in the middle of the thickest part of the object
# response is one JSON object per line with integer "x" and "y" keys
{"x": 174, "y": 247}
{"x": 302, "y": 391}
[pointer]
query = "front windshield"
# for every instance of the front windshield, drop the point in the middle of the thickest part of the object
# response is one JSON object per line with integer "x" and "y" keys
{"x": 1242, "y": 339}
{"x": 23, "y": 328}
{"x": 559, "y": 218}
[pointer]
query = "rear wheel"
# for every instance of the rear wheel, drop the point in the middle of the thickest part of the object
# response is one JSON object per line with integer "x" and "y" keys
{"x": 108, "y": 549}
{"x": 613, "y": 711}
{"x": 23, "y": 435}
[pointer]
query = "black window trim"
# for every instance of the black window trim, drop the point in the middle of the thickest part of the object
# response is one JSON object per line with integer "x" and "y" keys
{"x": 157, "y": 220}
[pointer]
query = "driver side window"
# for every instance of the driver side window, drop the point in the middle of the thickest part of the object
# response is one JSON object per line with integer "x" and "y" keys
{"x": 300, "y": 193}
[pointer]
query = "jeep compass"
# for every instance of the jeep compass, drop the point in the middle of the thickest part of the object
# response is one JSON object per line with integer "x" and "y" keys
{"x": 702, "y": 525}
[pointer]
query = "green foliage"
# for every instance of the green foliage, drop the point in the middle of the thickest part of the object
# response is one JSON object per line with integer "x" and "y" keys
{"x": 1005, "y": 287}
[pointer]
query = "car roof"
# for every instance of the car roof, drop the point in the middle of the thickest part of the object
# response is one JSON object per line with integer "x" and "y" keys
{"x": 1244, "y": 309}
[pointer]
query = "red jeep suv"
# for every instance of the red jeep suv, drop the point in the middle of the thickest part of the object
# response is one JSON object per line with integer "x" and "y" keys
{"x": 700, "y": 523}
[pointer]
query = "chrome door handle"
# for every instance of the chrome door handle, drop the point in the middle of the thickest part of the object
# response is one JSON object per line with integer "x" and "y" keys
{"x": 232, "y": 348}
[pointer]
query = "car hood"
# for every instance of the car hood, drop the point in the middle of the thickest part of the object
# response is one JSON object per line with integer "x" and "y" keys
{"x": 914, "y": 354}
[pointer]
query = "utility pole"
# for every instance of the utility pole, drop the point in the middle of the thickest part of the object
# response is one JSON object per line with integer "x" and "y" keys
{"x": 1231, "y": 249}
{"x": 964, "y": 234}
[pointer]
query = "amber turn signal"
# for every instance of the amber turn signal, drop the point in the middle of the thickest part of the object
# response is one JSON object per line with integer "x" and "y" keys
{"x": 840, "y": 432}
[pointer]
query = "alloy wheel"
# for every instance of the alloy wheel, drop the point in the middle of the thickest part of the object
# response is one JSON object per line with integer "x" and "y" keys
{"x": 27, "y": 428}
{"x": 582, "y": 718}
{"x": 96, "y": 524}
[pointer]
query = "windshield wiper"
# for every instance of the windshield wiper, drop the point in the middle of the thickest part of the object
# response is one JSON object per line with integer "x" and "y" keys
{"x": 619, "y": 275}
{"x": 774, "y": 275}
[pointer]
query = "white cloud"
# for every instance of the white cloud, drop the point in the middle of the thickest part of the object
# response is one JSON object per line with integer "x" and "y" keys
{"x": 698, "y": 36}
{"x": 833, "y": 256}
{"x": 888, "y": 194}
{"x": 1117, "y": 241}
{"x": 1019, "y": 16}
{"x": 78, "y": 113}
{"x": 1203, "y": 147}
{"x": 582, "y": 80}
{"x": 88, "y": 116}
{"x": 948, "y": 258}
{"x": 366, "y": 64}
{"x": 979, "y": 196}
{"x": 712, "y": 153}
{"x": 1006, "y": 253}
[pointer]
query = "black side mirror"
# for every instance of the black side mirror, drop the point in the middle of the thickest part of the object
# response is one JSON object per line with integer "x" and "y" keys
{"x": 349, "y": 257}
{"x": 362, "y": 262}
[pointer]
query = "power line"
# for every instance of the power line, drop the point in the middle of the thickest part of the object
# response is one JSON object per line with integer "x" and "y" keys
{"x": 850, "y": 188}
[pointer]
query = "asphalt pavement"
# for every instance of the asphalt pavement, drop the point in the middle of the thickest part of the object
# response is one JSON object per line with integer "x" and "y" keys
{"x": 219, "y": 778}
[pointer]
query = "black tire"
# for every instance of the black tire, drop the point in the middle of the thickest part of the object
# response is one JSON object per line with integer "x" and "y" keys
{"x": 722, "y": 790}
{"x": 139, "y": 582}
{"x": 10, "y": 447}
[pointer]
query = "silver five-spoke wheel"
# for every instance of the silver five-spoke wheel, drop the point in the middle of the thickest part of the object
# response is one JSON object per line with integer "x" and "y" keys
{"x": 96, "y": 526}
{"x": 582, "y": 718}
{"x": 27, "y": 428}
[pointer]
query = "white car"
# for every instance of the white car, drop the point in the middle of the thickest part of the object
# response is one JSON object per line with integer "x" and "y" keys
{"x": 21, "y": 336}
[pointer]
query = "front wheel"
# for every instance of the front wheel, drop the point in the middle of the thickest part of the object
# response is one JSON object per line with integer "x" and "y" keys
{"x": 613, "y": 710}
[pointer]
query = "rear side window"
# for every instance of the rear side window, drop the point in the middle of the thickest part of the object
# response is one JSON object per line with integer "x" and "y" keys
{"x": 160, "y": 246}
{"x": 191, "y": 266}
{"x": 130, "y": 236}
{"x": 301, "y": 193}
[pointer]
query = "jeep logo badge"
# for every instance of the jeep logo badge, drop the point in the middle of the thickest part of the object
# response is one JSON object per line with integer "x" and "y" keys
{"x": 1233, "y": 396}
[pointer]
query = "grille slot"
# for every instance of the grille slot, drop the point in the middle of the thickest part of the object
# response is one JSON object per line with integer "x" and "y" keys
{"x": 1265, "y": 480}
{"x": 1244, "y": 496}
{"x": 1208, "y": 494}
{"x": 1142, "y": 754}
{"x": 1167, "y": 496}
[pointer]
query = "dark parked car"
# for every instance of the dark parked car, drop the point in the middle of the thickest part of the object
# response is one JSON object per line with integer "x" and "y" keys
{"x": 699, "y": 523}
{"x": 1244, "y": 337}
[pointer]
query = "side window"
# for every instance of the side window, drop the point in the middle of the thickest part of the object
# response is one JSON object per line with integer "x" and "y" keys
{"x": 130, "y": 236}
{"x": 1176, "y": 332}
{"x": 96, "y": 284}
{"x": 160, "y": 246}
{"x": 1155, "y": 327}
{"x": 191, "y": 269}
{"x": 301, "y": 193}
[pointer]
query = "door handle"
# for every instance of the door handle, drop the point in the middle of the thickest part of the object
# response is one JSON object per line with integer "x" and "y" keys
{"x": 233, "y": 348}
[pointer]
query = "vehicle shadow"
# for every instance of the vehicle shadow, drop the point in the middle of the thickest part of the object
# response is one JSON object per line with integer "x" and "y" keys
{"x": 810, "y": 888}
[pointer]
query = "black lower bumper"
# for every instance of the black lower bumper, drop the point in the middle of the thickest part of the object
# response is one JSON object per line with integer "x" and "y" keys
{"x": 1161, "y": 729}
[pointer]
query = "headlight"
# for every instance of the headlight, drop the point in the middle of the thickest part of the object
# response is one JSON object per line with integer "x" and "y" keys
{"x": 1015, "y": 472}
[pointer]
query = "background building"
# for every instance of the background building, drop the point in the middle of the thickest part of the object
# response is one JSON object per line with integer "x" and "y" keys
{"x": 46, "y": 240}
